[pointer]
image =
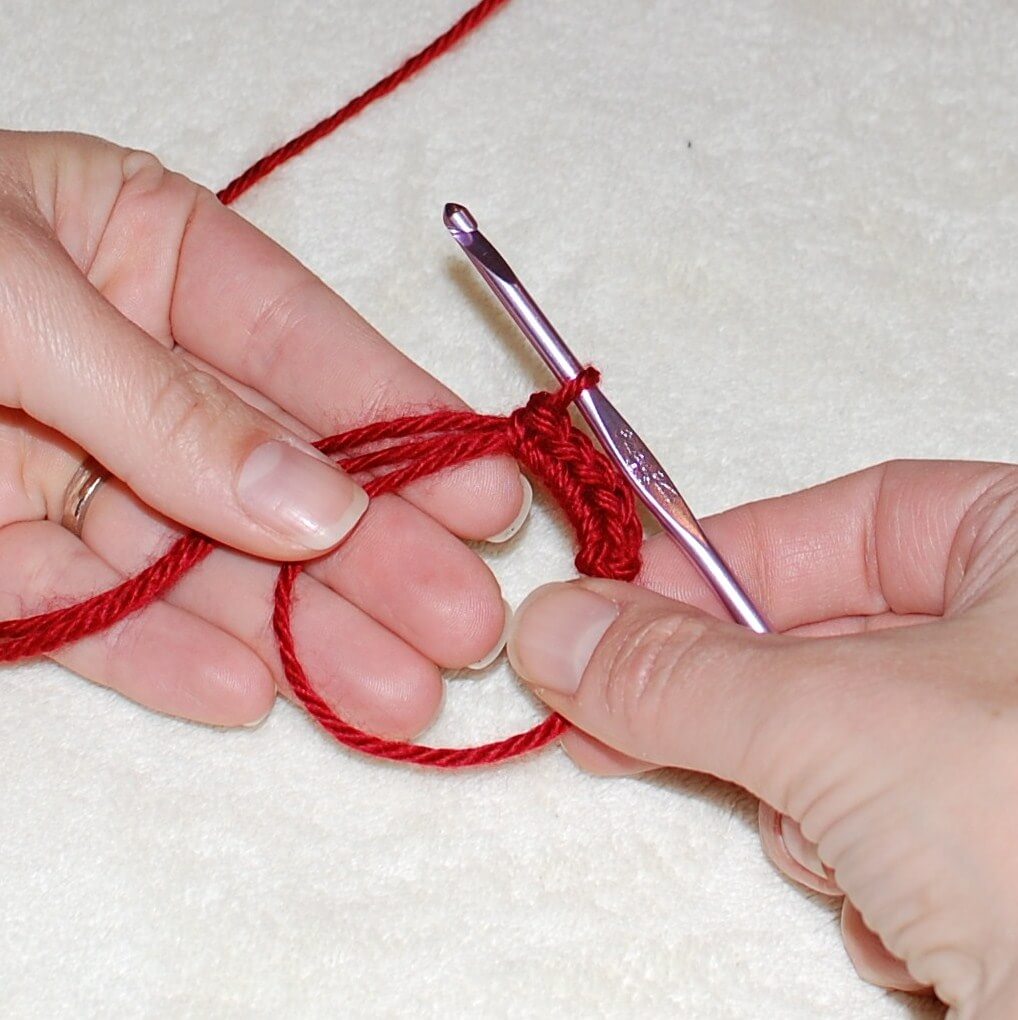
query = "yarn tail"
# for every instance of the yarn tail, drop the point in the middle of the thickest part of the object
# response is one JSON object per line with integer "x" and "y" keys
{"x": 473, "y": 18}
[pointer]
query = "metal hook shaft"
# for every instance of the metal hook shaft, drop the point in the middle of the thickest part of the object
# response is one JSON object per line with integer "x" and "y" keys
{"x": 644, "y": 472}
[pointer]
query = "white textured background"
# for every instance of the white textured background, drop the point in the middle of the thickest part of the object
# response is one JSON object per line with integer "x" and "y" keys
{"x": 788, "y": 234}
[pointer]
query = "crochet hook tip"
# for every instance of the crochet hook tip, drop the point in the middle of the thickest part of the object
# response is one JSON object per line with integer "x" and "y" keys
{"x": 462, "y": 226}
{"x": 458, "y": 220}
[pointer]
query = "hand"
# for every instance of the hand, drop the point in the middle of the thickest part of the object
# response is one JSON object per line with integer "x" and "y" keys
{"x": 880, "y": 732}
{"x": 144, "y": 323}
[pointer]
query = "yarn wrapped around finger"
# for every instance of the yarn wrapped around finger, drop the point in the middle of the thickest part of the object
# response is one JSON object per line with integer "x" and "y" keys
{"x": 596, "y": 499}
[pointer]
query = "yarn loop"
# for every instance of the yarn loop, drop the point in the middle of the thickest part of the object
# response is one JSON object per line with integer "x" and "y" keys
{"x": 596, "y": 499}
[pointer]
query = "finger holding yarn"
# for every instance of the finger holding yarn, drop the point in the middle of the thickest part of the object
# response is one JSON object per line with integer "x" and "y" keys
{"x": 596, "y": 500}
{"x": 594, "y": 496}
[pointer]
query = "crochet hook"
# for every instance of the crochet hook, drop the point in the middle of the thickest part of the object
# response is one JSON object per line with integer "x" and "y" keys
{"x": 642, "y": 469}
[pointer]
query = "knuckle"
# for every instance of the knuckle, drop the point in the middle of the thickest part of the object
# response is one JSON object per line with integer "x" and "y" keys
{"x": 25, "y": 243}
{"x": 648, "y": 664}
{"x": 986, "y": 541}
{"x": 26, "y": 468}
{"x": 122, "y": 641}
{"x": 188, "y": 404}
{"x": 15, "y": 169}
{"x": 27, "y": 295}
{"x": 140, "y": 165}
{"x": 379, "y": 402}
{"x": 38, "y": 567}
{"x": 274, "y": 330}
{"x": 15, "y": 195}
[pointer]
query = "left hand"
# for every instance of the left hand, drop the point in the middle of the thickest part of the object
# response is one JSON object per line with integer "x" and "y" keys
{"x": 110, "y": 261}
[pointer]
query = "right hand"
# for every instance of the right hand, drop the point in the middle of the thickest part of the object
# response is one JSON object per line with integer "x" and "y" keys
{"x": 880, "y": 730}
{"x": 146, "y": 324}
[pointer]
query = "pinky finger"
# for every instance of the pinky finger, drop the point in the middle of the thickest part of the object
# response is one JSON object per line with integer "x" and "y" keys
{"x": 793, "y": 854}
{"x": 163, "y": 657}
{"x": 870, "y": 957}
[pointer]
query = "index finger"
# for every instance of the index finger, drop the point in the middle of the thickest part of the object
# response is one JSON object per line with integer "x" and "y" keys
{"x": 896, "y": 538}
{"x": 248, "y": 307}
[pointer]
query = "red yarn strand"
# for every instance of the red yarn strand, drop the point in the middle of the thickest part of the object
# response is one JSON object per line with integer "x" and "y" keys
{"x": 264, "y": 166}
{"x": 39, "y": 635}
{"x": 388, "y": 455}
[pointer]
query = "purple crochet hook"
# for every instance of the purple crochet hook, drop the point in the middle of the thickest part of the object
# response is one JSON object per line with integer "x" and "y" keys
{"x": 646, "y": 475}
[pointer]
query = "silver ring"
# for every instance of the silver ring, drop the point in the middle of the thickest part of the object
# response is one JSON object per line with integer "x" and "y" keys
{"x": 86, "y": 481}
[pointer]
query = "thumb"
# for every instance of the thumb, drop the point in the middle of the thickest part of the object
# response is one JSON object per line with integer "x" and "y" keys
{"x": 178, "y": 438}
{"x": 667, "y": 684}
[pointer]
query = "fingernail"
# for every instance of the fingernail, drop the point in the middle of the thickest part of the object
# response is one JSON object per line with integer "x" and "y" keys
{"x": 554, "y": 634}
{"x": 528, "y": 501}
{"x": 299, "y": 495}
{"x": 255, "y": 723}
{"x": 499, "y": 645}
{"x": 800, "y": 849}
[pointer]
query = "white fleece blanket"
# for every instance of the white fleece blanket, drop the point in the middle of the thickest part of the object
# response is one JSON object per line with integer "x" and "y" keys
{"x": 786, "y": 231}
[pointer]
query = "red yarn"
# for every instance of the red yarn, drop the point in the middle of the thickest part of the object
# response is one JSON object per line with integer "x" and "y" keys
{"x": 254, "y": 173}
{"x": 596, "y": 498}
